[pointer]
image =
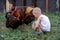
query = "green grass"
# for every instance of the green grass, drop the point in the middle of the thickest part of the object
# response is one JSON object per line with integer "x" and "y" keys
{"x": 26, "y": 32}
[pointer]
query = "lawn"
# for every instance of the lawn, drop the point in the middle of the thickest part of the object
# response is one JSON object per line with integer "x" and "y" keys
{"x": 26, "y": 33}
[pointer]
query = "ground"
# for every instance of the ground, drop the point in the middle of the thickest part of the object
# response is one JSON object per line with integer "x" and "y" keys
{"x": 26, "y": 33}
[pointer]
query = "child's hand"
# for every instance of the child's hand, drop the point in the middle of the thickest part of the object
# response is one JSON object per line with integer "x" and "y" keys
{"x": 35, "y": 25}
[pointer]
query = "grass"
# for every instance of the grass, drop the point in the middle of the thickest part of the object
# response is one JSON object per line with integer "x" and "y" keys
{"x": 26, "y": 33}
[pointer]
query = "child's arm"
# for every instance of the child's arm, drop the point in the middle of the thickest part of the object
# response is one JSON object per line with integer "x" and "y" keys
{"x": 37, "y": 24}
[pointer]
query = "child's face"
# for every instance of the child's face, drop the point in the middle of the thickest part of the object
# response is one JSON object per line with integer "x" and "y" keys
{"x": 36, "y": 12}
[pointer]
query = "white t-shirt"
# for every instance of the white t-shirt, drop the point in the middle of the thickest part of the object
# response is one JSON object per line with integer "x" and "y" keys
{"x": 45, "y": 23}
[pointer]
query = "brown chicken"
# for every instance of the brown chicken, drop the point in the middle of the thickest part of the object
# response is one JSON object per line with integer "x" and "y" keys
{"x": 14, "y": 18}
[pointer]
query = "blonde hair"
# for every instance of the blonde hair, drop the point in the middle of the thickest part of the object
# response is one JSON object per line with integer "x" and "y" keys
{"x": 36, "y": 10}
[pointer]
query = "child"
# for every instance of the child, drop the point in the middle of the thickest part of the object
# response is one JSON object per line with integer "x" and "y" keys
{"x": 42, "y": 24}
